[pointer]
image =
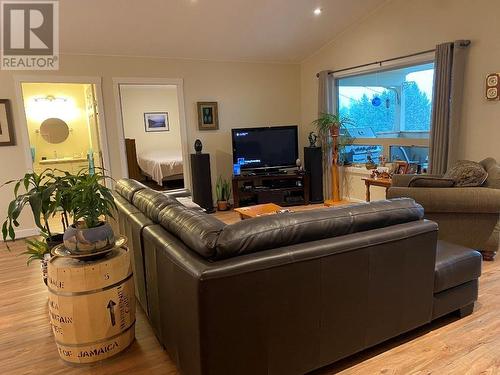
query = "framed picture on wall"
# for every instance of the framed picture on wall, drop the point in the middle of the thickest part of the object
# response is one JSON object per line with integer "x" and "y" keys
{"x": 6, "y": 124}
{"x": 156, "y": 122}
{"x": 208, "y": 116}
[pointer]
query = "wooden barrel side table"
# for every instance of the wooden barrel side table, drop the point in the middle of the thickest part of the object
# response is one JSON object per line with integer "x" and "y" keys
{"x": 92, "y": 306}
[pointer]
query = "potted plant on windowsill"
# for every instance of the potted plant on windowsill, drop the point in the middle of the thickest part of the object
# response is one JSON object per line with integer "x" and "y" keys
{"x": 91, "y": 202}
{"x": 330, "y": 128}
{"x": 223, "y": 193}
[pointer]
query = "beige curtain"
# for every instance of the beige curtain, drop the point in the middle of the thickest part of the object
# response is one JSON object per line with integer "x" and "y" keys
{"x": 447, "y": 104}
{"x": 327, "y": 103}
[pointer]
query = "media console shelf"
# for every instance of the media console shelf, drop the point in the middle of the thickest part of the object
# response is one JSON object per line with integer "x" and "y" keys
{"x": 289, "y": 189}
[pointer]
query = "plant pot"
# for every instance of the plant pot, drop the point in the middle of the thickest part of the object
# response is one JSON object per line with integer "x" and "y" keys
{"x": 222, "y": 205}
{"x": 81, "y": 240}
{"x": 55, "y": 240}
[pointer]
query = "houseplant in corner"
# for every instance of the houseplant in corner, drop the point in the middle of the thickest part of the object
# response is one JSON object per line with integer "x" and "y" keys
{"x": 39, "y": 194}
{"x": 223, "y": 193}
{"x": 330, "y": 128}
{"x": 91, "y": 201}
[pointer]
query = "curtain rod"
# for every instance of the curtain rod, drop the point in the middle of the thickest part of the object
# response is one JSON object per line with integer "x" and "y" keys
{"x": 464, "y": 43}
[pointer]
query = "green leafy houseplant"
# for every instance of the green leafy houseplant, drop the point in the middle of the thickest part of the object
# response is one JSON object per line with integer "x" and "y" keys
{"x": 90, "y": 199}
{"x": 333, "y": 127}
{"x": 223, "y": 193}
{"x": 332, "y": 131}
{"x": 38, "y": 195}
{"x": 91, "y": 202}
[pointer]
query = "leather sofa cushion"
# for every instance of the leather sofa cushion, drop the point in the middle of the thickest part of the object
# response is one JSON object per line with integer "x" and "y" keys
{"x": 127, "y": 188}
{"x": 455, "y": 265}
{"x": 151, "y": 202}
{"x": 434, "y": 182}
{"x": 196, "y": 229}
{"x": 267, "y": 232}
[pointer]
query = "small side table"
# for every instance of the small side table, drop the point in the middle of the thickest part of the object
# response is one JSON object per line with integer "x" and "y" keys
{"x": 383, "y": 182}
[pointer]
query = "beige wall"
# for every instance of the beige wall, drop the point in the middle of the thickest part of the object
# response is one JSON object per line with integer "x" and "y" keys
{"x": 405, "y": 26}
{"x": 249, "y": 94}
{"x": 137, "y": 100}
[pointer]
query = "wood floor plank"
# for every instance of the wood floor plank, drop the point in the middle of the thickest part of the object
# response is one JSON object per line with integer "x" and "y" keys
{"x": 448, "y": 346}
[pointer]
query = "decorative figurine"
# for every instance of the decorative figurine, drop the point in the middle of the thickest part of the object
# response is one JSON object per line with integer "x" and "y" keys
{"x": 198, "y": 146}
{"x": 370, "y": 164}
{"x": 312, "y": 139}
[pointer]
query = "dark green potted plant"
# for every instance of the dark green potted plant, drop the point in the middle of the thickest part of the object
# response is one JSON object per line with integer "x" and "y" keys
{"x": 223, "y": 193}
{"x": 91, "y": 202}
{"x": 332, "y": 130}
{"x": 39, "y": 195}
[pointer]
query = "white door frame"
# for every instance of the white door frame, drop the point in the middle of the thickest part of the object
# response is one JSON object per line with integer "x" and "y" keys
{"x": 179, "y": 83}
{"x": 97, "y": 81}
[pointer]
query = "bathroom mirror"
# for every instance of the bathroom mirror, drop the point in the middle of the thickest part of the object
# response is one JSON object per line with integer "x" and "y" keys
{"x": 54, "y": 130}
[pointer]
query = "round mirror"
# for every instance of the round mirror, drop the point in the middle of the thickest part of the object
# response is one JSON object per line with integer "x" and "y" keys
{"x": 54, "y": 130}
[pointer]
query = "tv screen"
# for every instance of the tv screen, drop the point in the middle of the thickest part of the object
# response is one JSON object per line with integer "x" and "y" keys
{"x": 269, "y": 147}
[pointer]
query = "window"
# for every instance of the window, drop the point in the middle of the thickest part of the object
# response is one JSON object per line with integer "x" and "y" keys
{"x": 390, "y": 113}
{"x": 359, "y": 153}
{"x": 393, "y": 103}
{"x": 410, "y": 154}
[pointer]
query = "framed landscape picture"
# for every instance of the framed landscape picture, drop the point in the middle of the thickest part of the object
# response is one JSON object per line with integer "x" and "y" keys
{"x": 208, "y": 116}
{"x": 156, "y": 121}
{"x": 6, "y": 124}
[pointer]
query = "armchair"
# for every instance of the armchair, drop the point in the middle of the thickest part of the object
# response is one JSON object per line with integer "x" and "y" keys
{"x": 468, "y": 216}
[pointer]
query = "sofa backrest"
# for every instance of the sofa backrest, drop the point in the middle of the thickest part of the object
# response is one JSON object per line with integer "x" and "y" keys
{"x": 127, "y": 187}
{"x": 267, "y": 232}
{"x": 196, "y": 229}
{"x": 493, "y": 169}
{"x": 152, "y": 202}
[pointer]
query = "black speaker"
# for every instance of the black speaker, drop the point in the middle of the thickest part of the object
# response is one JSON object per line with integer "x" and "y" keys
{"x": 201, "y": 181}
{"x": 314, "y": 167}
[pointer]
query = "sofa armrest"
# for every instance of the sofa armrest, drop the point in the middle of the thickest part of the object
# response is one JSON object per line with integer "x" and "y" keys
{"x": 455, "y": 199}
{"x": 403, "y": 180}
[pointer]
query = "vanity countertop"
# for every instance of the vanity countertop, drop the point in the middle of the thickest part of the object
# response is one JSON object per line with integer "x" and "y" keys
{"x": 62, "y": 160}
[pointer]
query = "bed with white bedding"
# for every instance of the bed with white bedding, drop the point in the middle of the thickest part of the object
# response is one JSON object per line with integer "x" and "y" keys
{"x": 161, "y": 165}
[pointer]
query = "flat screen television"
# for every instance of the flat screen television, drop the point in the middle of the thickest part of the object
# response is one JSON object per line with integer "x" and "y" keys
{"x": 266, "y": 147}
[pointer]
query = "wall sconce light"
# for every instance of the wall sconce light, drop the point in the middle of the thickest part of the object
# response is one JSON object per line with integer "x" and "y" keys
{"x": 44, "y": 107}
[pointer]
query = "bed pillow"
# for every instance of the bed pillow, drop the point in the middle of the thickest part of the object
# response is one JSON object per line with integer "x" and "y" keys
{"x": 467, "y": 173}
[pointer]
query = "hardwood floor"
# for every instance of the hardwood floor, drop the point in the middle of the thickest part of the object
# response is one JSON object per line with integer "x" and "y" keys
{"x": 449, "y": 346}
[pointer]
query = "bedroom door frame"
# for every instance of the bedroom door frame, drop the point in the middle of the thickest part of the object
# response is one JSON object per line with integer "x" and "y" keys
{"x": 55, "y": 79}
{"x": 179, "y": 83}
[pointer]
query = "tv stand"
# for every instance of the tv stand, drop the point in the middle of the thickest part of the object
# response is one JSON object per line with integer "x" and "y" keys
{"x": 284, "y": 189}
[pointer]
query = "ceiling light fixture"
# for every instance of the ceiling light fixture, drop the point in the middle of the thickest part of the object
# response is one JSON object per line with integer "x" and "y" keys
{"x": 317, "y": 11}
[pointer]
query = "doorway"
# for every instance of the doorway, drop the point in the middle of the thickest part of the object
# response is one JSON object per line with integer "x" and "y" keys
{"x": 63, "y": 126}
{"x": 152, "y": 117}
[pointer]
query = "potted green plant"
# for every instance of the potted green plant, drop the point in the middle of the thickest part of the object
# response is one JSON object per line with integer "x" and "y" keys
{"x": 39, "y": 195}
{"x": 330, "y": 128}
{"x": 91, "y": 202}
{"x": 223, "y": 193}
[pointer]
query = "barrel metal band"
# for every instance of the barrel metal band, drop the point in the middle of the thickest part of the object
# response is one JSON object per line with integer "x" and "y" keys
{"x": 70, "y": 294}
{"x": 98, "y": 341}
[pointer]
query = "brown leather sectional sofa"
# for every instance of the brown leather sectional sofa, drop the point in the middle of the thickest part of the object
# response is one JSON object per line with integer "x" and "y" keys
{"x": 288, "y": 293}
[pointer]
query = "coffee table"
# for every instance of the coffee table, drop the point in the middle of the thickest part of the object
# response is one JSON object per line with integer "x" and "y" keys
{"x": 258, "y": 210}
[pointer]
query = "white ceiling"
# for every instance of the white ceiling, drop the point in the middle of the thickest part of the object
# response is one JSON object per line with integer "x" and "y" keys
{"x": 249, "y": 30}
